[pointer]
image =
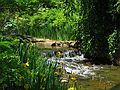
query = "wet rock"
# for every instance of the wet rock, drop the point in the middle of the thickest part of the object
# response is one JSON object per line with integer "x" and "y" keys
{"x": 78, "y": 53}
{"x": 56, "y": 44}
{"x": 72, "y": 54}
{"x": 77, "y": 45}
{"x": 68, "y": 59}
{"x": 66, "y": 54}
{"x": 71, "y": 44}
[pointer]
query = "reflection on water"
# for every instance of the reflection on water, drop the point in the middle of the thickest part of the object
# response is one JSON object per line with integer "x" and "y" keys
{"x": 105, "y": 79}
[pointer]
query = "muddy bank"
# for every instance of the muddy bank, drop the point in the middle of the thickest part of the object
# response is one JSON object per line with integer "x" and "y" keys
{"x": 47, "y": 43}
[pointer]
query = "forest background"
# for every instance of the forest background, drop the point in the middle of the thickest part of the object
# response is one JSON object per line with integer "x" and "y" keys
{"x": 94, "y": 23}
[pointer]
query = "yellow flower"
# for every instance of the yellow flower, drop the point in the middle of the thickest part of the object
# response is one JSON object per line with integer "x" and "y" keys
{"x": 71, "y": 88}
{"x": 27, "y": 64}
{"x": 73, "y": 79}
{"x": 58, "y": 54}
{"x": 56, "y": 73}
{"x": 59, "y": 67}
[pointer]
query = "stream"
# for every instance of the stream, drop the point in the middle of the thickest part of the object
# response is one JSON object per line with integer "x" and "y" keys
{"x": 71, "y": 61}
{"x": 89, "y": 76}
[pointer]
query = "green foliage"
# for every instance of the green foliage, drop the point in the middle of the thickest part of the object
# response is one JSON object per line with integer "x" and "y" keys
{"x": 9, "y": 60}
{"x": 9, "y": 63}
{"x": 48, "y": 22}
{"x": 24, "y": 67}
{"x": 117, "y": 5}
{"x": 46, "y": 19}
{"x": 112, "y": 41}
{"x": 7, "y": 43}
{"x": 96, "y": 24}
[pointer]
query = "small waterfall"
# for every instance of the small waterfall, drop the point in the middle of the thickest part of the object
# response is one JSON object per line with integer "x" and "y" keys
{"x": 71, "y": 61}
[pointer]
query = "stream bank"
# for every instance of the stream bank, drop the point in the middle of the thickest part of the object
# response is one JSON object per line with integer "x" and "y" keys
{"x": 71, "y": 63}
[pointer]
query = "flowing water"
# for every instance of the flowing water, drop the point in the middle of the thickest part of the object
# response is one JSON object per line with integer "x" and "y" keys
{"x": 89, "y": 77}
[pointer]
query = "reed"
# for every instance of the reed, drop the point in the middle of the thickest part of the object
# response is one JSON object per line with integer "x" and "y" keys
{"x": 26, "y": 69}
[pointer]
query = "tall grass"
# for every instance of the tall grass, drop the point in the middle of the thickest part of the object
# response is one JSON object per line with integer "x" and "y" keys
{"x": 52, "y": 34}
{"x": 24, "y": 68}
